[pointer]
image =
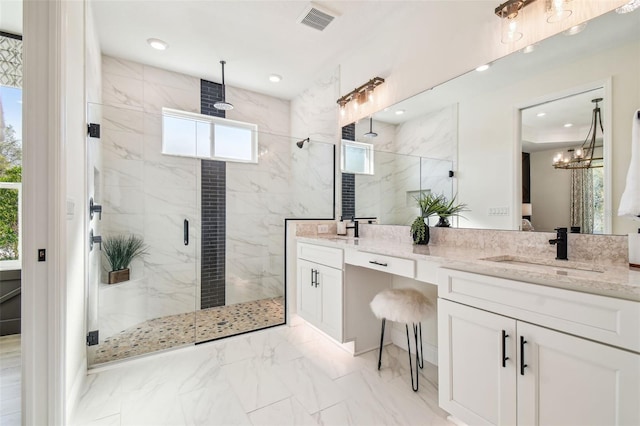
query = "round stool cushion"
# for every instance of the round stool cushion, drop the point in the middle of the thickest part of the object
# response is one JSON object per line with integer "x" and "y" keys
{"x": 401, "y": 305}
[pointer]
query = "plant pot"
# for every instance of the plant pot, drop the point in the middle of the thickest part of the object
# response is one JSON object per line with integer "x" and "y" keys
{"x": 119, "y": 276}
{"x": 418, "y": 237}
{"x": 443, "y": 222}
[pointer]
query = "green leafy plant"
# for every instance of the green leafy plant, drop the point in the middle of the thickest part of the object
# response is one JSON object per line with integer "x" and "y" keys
{"x": 430, "y": 204}
{"x": 450, "y": 208}
{"x": 120, "y": 250}
{"x": 419, "y": 231}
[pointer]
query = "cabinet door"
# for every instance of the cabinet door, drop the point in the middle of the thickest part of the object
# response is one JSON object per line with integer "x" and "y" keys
{"x": 308, "y": 300}
{"x": 330, "y": 289}
{"x": 475, "y": 384}
{"x": 573, "y": 381}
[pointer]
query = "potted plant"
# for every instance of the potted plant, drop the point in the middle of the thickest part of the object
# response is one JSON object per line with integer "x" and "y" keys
{"x": 120, "y": 250}
{"x": 430, "y": 205}
{"x": 448, "y": 209}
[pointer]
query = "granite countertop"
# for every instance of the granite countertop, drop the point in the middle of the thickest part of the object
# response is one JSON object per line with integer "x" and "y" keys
{"x": 607, "y": 280}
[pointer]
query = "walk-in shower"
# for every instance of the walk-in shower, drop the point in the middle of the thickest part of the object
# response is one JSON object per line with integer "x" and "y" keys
{"x": 214, "y": 231}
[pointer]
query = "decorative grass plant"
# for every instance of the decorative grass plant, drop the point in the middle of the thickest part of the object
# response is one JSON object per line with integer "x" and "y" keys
{"x": 120, "y": 250}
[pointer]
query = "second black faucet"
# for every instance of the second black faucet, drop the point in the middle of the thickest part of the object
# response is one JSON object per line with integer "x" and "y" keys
{"x": 561, "y": 243}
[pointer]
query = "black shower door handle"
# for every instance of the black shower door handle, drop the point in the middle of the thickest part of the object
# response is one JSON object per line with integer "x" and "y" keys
{"x": 186, "y": 232}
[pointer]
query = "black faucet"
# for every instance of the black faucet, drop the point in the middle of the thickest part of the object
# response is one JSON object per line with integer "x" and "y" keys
{"x": 561, "y": 243}
{"x": 354, "y": 227}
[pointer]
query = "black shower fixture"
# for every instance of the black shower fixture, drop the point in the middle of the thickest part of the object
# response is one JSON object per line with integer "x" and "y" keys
{"x": 223, "y": 105}
{"x": 301, "y": 143}
{"x": 370, "y": 133}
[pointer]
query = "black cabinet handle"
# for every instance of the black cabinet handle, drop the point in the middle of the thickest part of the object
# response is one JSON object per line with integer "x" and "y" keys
{"x": 186, "y": 232}
{"x": 377, "y": 263}
{"x": 522, "y": 364}
{"x": 312, "y": 277}
{"x": 504, "y": 348}
{"x": 317, "y": 273}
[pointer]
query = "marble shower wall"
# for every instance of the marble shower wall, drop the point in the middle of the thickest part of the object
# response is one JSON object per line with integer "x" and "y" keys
{"x": 258, "y": 200}
{"x": 147, "y": 193}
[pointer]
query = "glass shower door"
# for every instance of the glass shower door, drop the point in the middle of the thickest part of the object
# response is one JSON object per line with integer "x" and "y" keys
{"x": 145, "y": 194}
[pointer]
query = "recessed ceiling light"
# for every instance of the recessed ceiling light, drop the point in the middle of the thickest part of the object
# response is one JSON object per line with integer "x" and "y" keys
{"x": 400, "y": 112}
{"x": 275, "y": 78}
{"x": 541, "y": 114}
{"x": 576, "y": 29}
{"x": 530, "y": 48}
{"x": 157, "y": 44}
{"x": 483, "y": 67}
{"x": 568, "y": 125}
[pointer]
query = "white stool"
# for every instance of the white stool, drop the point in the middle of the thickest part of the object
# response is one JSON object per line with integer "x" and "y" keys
{"x": 410, "y": 307}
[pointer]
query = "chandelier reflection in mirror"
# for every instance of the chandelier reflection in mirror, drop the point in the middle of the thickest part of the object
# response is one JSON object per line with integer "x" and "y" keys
{"x": 584, "y": 157}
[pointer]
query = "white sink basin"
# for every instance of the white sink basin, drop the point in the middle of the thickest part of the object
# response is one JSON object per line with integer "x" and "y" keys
{"x": 549, "y": 263}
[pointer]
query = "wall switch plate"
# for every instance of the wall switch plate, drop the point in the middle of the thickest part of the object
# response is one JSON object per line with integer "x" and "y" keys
{"x": 323, "y": 229}
{"x": 498, "y": 211}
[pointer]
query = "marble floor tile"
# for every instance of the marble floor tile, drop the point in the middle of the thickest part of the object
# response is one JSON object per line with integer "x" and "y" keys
{"x": 287, "y": 375}
{"x": 287, "y": 412}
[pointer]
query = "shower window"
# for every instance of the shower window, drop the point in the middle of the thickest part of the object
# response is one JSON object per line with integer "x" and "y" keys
{"x": 201, "y": 136}
{"x": 357, "y": 157}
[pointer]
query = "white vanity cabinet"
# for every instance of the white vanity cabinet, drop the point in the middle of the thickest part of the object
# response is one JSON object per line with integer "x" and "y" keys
{"x": 320, "y": 292}
{"x": 496, "y": 367}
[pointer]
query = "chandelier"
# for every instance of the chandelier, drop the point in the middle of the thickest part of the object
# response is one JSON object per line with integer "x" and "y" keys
{"x": 583, "y": 157}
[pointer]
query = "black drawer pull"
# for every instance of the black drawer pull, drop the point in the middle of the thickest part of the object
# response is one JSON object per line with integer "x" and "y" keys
{"x": 312, "y": 277}
{"x": 377, "y": 263}
{"x": 185, "y": 231}
{"x": 504, "y": 349}
{"x": 522, "y": 364}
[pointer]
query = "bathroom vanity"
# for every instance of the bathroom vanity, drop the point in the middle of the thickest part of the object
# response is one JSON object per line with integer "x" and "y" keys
{"x": 521, "y": 340}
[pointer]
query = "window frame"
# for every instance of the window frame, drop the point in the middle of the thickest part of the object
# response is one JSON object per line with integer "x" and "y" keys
{"x": 8, "y": 265}
{"x": 369, "y": 160}
{"x": 212, "y": 121}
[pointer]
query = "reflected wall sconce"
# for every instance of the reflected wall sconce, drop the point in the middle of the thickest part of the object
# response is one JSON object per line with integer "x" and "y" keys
{"x": 512, "y": 12}
{"x": 583, "y": 157}
{"x": 360, "y": 95}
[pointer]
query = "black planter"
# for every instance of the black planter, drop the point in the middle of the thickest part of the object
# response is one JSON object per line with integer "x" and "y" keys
{"x": 423, "y": 241}
{"x": 443, "y": 222}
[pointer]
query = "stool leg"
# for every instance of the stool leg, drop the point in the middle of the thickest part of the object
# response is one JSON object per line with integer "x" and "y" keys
{"x": 415, "y": 333}
{"x": 384, "y": 320}
{"x": 421, "y": 350}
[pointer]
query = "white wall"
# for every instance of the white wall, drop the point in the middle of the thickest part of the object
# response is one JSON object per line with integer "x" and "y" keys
{"x": 550, "y": 193}
{"x": 487, "y": 136}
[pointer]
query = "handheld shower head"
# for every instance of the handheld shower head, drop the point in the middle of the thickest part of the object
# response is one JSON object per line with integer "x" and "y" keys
{"x": 300, "y": 144}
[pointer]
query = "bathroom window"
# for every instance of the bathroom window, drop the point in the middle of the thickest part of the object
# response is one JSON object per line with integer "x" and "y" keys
{"x": 188, "y": 134}
{"x": 357, "y": 157}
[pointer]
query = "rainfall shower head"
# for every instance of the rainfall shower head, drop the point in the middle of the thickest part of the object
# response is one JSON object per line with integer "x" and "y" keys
{"x": 301, "y": 143}
{"x": 370, "y": 133}
{"x": 223, "y": 105}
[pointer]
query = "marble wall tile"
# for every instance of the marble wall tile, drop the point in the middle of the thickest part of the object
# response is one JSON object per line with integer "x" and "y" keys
{"x": 122, "y": 223}
{"x": 121, "y": 91}
{"x": 127, "y": 200}
{"x": 158, "y": 96}
{"x": 122, "y": 173}
{"x": 122, "y": 119}
{"x": 172, "y": 173}
{"x": 122, "y": 306}
{"x": 119, "y": 145}
{"x": 122, "y": 67}
{"x": 167, "y": 78}
{"x": 272, "y": 115}
{"x": 433, "y": 135}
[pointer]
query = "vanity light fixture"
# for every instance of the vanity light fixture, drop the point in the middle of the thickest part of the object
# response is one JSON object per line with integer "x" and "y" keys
{"x": 512, "y": 11}
{"x": 557, "y": 10}
{"x": 629, "y": 7}
{"x": 583, "y": 157}
{"x": 359, "y": 95}
{"x": 223, "y": 105}
{"x": 157, "y": 43}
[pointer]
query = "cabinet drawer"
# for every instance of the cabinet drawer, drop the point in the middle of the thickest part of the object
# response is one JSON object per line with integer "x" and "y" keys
{"x": 328, "y": 256}
{"x": 604, "y": 319}
{"x": 380, "y": 262}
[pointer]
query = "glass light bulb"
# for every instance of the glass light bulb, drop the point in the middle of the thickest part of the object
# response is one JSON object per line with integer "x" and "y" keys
{"x": 579, "y": 153}
{"x": 558, "y": 10}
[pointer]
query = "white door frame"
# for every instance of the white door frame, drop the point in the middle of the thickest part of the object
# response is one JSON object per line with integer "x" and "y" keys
{"x": 43, "y": 283}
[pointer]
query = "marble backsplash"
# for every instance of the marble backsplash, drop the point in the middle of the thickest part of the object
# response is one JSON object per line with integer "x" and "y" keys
{"x": 598, "y": 249}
